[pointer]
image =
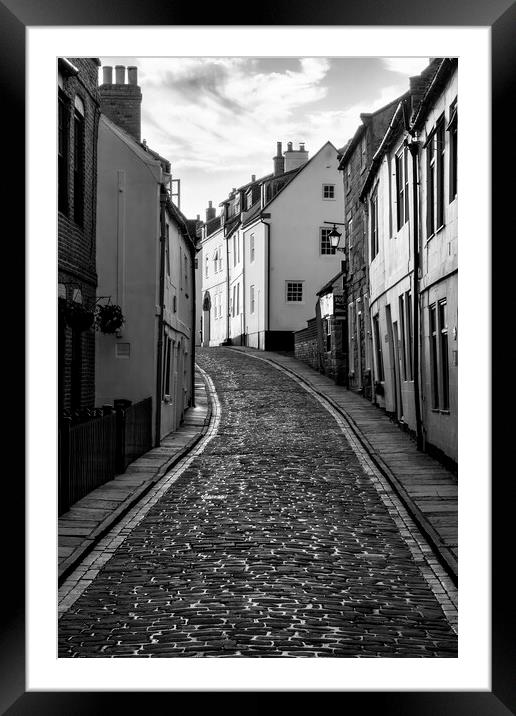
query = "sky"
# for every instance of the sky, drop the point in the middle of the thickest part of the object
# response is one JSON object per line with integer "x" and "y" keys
{"x": 217, "y": 120}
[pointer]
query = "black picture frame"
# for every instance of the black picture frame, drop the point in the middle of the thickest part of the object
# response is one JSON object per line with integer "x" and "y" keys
{"x": 500, "y": 15}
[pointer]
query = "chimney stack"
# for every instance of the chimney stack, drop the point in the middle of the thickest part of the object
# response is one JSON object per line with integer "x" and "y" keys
{"x": 279, "y": 161}
{"x": 253, "y": 177}
{"x": 295, "y": 158}
{"x": 121, "y": 102}
{"x": 211, "y": 212}
{"x": 132, "y": 75}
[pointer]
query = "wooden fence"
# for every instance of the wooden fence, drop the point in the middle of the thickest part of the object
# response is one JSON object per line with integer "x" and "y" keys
{"x": 93, "y": 452}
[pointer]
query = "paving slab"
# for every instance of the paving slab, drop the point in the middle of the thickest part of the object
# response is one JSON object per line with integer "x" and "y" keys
{"x": 87, "y": 520}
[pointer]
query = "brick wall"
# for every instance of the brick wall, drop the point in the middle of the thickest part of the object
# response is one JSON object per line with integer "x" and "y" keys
{"x": 122, "y": 104}
{"x": 357, "y": 280}
{"x": 76, "y": 239}
{"x": 305, "y": 345}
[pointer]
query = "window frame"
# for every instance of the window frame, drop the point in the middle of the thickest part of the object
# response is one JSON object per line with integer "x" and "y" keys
{"x": 290, "y": 283}
{"x": 452, "y": 160}
{"x": 324, "y": 188}
{"x": 324, "y": 231}
{"x": 435, "y": 161}
{"x": 402, "y": 188}
{"x": 79, "y": 141}
{"x": 373, "y": 221}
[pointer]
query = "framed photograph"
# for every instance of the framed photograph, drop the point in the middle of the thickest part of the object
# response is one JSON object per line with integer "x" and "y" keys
{"x": 478, "y": 677}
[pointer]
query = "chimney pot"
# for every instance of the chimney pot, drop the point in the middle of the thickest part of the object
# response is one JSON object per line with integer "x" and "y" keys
{"x": 132, "y": 75}
{"x": 289, "y": 146}
{"x": 120, "y": 74}
{"x": 253, "y": 177}
{"x": 210, "y": 212}
{"x": 107, "y": 75}
{"x": 278, "y": 149}
{"x": 209, "y": 204}
{"x": 301, "y": 146}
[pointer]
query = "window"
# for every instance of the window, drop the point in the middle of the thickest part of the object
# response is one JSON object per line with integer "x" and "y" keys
{"x": 435, "y": 179}
{"x": 378, "y": 348}
{"x": 351, "y": 338}
{"x": 328, "y": 335}
{"x": 348, "y": 177}
{"x": 374, "y": 224}
{"x": 215, "y": 261}
{"x": 363, "y": 153}
{"x": 206, "y": 267}
{"x": 167, "y": 248}
{"x": 439, "y": 366}
{"x": 324, "y": 241}
{"x": 328, "y": 191}
{"x": 166, "y": 372}
{"x": 234, "y": 250}
{"x": 452, "y": 129}
{"x": 402, "y": 187}
{"x": 186, "y": 272}
{"x": 62, "y": 156}
{"x": 220, "y": 259}
{"x": 238, "y": 300}
{"x": 251, "y": 299}
{"x": 349, "y": 229}
{"x": 294, "y": 291}
{"x": 249, "y": 199}
{"x": 78, "y": 162}
{"x": 251, "y": 248}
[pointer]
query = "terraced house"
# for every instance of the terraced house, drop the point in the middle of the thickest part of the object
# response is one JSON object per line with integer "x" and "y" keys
{"x": 78, "y": 119}
{"x": 146, "y": 265}
{"x": 410, "y": 194}
{"x": 275, "y": 248}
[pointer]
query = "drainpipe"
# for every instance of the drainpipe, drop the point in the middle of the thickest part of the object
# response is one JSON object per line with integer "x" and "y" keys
{"x": 159, "y": 360}
{"x": 268, "y": 273}
{"x": 413, "y": 146}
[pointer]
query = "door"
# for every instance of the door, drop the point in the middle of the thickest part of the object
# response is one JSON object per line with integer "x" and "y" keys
{"x": 397, "y": 371}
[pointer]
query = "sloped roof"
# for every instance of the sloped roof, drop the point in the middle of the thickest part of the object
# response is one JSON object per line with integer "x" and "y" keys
{"x": 329, "y": 284}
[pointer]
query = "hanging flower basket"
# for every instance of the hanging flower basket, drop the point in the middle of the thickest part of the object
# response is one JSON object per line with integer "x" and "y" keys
{"x": 109, "y": 318}
{"x": 78, "y": 316}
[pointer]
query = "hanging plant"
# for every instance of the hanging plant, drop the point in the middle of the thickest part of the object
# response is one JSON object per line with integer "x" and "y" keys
{"x": 109, "y": 318}
{"x": 78, "y": 316}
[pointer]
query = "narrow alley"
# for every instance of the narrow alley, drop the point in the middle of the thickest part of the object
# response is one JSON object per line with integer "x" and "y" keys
{"x": 274, "y": 541}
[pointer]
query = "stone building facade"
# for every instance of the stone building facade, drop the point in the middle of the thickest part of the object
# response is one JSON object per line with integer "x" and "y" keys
{"x": 78, "y": 119}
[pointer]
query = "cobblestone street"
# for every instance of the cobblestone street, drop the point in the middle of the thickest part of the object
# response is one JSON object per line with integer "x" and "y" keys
{"x": 273, "y": 542}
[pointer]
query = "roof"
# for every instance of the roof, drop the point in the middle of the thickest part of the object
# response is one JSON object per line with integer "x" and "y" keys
{"x": 445, "y": 70}
{"x": 146, "y": 156}
{"x": 366, "y": 118}
{"x": 327, "y": 286}
{"x": 296, "y": 172}
{"x": 420, "y": 86}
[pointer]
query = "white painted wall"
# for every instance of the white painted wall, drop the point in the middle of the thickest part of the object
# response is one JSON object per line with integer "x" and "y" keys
{"x": 216, "y": 283}
{"x": 127, "y": 261}
{"x": 297, "y": 214}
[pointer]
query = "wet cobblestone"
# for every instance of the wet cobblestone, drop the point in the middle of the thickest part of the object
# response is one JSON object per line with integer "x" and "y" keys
{"x": 273, "y": 542}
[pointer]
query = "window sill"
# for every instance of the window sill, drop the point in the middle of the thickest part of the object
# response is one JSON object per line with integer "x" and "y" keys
{"x": 440, "y": 412}
{"x": 437, "y": 231}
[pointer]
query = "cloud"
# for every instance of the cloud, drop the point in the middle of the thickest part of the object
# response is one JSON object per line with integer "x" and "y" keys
{"x": 225, "y": 108}
{"x": 409, "y": 66}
